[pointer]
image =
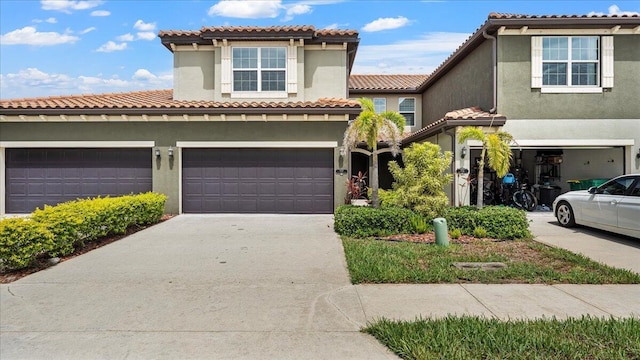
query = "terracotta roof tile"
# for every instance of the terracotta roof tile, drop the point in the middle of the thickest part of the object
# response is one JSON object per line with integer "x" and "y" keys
{"x": 159, "y": 99}
{"x": 495, "y": 15}
{"x": 470, "y": 113}
{"x": 386, "y": 82}
{"x": 258, "y": 30}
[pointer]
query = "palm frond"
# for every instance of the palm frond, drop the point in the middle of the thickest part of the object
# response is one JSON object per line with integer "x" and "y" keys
{"x": 471, "y": 132}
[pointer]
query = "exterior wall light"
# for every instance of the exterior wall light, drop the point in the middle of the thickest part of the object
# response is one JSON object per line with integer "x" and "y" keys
{"x": 157, "y": 152}
{"x": 638, "y": 154}
{"x": 170, "y": 152}
{"x": 463, "y": 152}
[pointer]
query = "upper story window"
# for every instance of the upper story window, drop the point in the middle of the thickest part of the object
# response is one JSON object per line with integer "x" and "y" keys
{"x": 407, "y": 108}
{"x": 259, "y": 69}
{"x": 380, "y": 105}
{"x": 571, "y": 63}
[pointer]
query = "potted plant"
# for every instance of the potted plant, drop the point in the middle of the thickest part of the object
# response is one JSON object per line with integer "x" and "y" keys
{"x": 357, "y": 190}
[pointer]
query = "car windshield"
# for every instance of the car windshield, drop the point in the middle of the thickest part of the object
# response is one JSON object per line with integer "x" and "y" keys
{"x": 616, "y": 186}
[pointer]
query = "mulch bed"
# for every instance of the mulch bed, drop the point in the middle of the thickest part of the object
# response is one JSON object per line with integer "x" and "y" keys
{"x": 43, "y": 263}
{"x": 430, "y": 238}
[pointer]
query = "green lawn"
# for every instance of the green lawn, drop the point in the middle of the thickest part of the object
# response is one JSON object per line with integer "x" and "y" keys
{"x": 376, "y": 261}
{"x": 480, "y": 338}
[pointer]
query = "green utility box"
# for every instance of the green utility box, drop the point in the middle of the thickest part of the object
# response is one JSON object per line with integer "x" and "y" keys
{"x": 442, "y": 234}
{"x": 585, "y": 184}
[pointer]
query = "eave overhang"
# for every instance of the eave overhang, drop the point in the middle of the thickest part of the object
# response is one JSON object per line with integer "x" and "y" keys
{"x": 444, "y": 125}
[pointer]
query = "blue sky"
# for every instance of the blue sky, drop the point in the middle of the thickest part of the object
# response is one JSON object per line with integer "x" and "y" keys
{"x": 62, "y": 47}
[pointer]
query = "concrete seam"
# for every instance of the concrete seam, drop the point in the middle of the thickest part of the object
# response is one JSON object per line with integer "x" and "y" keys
{"x": 366, "y": 318}
{"x": 479, "y": 301}
{"x": 328, "y": 298}
{"x": 580, "y": 299}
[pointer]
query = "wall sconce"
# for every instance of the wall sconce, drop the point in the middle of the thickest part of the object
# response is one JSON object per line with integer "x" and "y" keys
{"x": 170, "y": 152}
{"x": 463, "y": 152}
{"x": 157, "y": 152}
{"x": 341, "y": 172}
{"x": 638, "y": 154}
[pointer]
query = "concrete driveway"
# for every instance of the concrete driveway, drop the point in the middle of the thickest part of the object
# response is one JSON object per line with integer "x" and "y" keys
{"x": 195, "y": 287}
{"x": 605, "y": 247}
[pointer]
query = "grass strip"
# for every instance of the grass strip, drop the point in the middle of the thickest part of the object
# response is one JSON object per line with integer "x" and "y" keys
{"x": 528, "y": 262}
{"x": 482, "y": 338}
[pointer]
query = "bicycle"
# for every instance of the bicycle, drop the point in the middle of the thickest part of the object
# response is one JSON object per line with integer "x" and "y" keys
{"x": 522, "y": 197}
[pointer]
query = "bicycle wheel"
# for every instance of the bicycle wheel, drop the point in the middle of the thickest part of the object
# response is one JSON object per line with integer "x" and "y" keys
{"x": 525, "y": 199}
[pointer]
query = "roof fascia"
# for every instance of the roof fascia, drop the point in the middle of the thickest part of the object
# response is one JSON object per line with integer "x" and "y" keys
{"x": 180, "y": 111}
{"x": 449, "y": 124}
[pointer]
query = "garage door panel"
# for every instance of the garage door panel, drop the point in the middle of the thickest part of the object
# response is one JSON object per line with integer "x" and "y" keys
{"x": 49, "y": 176}
{"x": 260, "y": 180}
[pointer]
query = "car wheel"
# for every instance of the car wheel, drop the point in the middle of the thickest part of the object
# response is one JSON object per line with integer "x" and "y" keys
{"x": 564, "y": 214}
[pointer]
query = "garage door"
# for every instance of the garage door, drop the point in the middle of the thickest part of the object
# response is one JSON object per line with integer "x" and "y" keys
{"x": 49, "y": 176}
{"x": 295, "y": 181}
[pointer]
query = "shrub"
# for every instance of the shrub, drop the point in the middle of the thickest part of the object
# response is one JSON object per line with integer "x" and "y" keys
{"x": 455, "y": 233}
{"x": 420, "y": 224}
{"x": 419, "y": 185}
{"x": 81, "y": 221}
{"x": 500, "y": 222}
{"x": 480, "y": 232}
{"x": 363, "y": 221}
{"x": 21, "y": 241}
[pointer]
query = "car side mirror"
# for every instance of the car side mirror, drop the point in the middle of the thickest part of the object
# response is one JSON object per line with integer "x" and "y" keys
{"x": 593, "y": 190}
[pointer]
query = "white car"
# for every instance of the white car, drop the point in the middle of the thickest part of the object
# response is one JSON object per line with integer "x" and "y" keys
{"x": 613, "y": 206}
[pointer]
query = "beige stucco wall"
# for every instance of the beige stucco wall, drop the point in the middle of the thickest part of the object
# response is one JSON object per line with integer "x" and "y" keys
{"x": 321, "y": 73}
{"x": 166, "y": 171}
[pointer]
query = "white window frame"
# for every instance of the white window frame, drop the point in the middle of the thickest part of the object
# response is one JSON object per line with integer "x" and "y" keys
{"x": 604, "y": 69}
{"x": 259, "y": 70}
{"x": 383, "y": 105}
{"x": 400, "y": 100}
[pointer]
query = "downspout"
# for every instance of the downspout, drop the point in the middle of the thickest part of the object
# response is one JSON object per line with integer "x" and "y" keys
{"x": 494, "y": 62}
{"x": 452, "y": 167}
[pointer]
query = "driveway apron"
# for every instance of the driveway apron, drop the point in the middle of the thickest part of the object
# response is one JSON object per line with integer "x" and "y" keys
{"x": 195, "y": 287}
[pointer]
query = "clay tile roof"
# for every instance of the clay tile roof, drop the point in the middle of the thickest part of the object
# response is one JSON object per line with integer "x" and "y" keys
{"x": 386, "y": 82}
{"x": 185, "y": 33}
{"x": 495, "y": 15}
{"x": 258, "y": 29}
{"x": 159, "y": 99}
{"x": 336, "y": 32}
{"x": 469, "y": 113}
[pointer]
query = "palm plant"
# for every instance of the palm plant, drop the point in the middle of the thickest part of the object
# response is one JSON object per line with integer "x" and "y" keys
{"x": 495, "y": 147}
{"x": 370, "y": 127}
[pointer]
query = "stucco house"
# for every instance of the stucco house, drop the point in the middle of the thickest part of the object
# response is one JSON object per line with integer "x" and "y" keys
{"x": 566, "y": 87}
{"x": 252, "y": 125}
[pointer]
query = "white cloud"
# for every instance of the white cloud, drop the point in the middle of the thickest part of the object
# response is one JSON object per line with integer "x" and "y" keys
{"x": 142, "y": 26}
{"x": 87, "y": 30}
{"x": 386, "y": 24}
{"x": 615, "y": 10}
{"x": 68, "y": 5}
{"x": 111, "y": 46}
{"x": 296, "y": 9}
{"x": 246, "y": 9}
{"x": 51, "y": 20}
{"x": 28, "y": 35}
{"x": 32, "y": 82}
{"x": 146, "y": 35}
{"x": 418, "y": 56}
{"x": 100, "y": 13}
{"x": 125, "y": 37}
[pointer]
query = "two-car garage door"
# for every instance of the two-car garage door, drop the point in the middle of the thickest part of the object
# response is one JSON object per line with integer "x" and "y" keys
{"x": 35, "y": 177}
{"x": 296, "y": 181}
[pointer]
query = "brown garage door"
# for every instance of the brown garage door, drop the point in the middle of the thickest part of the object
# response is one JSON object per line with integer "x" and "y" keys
{"x": 49, "y": 176}
{"x": 294, "y": 181}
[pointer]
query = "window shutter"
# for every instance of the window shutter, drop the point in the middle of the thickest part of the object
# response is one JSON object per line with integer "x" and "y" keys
{"x": 607, "y": 61}
{"x": 292, "y": 69}
{"x": 225, "y": 83}
{"x": 536, "y": 61}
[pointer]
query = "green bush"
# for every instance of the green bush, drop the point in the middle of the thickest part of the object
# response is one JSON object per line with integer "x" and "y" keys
{"x": 420, "y": 224}
{"x": 480, "y": 232}
{"x": 58, "y": 230}
{"x": 419, "y": 185}
{"x": 363, "y": 221}
{"x": 500, "y": 222}
{"x": 455, "y": 233}
{"x": 21, "y": 241}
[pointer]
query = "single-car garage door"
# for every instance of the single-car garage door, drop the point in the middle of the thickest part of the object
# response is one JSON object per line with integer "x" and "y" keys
{"x": 35, "y": 177}
{"x": 294, "y": 181}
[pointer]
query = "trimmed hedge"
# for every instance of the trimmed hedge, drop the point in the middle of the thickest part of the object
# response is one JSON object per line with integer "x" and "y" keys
{"x": 57, "y": 230}
{"x": 500, "y": 222}
{"x": 363, "y": 221}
